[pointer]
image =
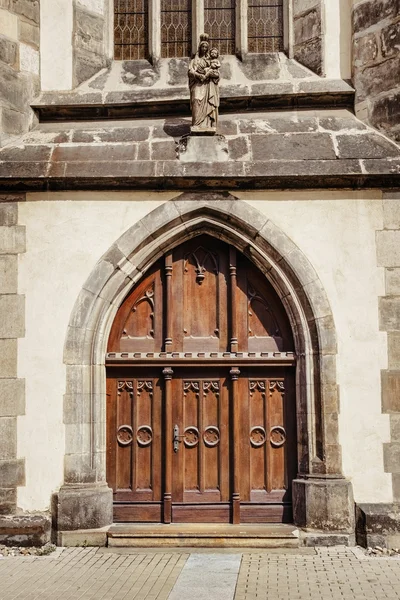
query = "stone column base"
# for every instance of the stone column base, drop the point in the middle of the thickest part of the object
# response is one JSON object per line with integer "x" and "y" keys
{"x": 84, "y": 507}
{"x": 324, "y": 503}
{"x": 378, "y": 525}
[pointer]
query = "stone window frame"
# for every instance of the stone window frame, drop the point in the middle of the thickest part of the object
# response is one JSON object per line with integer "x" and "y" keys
{"x": 241, "y": 38}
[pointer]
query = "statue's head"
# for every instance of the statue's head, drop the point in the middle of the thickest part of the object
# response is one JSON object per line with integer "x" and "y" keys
{"x": 214, "y": 53}
{"x": 204, "y": 44}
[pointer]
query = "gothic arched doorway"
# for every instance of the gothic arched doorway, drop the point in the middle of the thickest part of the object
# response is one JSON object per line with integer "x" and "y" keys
{"x": 201, "y": 408}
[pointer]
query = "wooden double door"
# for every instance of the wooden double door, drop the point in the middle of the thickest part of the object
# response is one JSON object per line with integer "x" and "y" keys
{"x": 201, "y": 420}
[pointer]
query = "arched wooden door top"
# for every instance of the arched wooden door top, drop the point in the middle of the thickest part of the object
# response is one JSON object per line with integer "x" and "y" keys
{"x": 204, "y": 296}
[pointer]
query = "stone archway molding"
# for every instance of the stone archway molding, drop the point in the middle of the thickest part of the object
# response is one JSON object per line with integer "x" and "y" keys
{"x": 322, "y": 496}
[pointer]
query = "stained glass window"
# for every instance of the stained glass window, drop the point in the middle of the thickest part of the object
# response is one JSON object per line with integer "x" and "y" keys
{"x": 265, "y": 25}
{"x": 130, "y": 29}
{"x": 176, "y": 39}
{"x": 219, "y": 23}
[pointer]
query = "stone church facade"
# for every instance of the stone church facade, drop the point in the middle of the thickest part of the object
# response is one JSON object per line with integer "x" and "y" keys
{"x": 289, "y": 222}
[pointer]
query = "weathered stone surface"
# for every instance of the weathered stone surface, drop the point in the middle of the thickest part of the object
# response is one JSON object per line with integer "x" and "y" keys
{"x": 391, "y": 213}
{"x": 388, "y": 248}
{"x": 394, "y": 350}
{"x": 12, "y": 311}
{"x": 163, "y": 150}
{"x": 8, "y": 358}
{"x": 118, "y": 134}
{"x": 8, "y": 214}
{"x": 8, "y": 51}
{"x": 377, "y": 78}
{"x": 8, "y": 438}
{"x": 83, "y": 538}
{"x": 25, "y": 530}
{"x": 390, "y": 39}
{"x": 308, "y": 25}
{"x": 391, "y": 457}
{"x": 26, "y": 8}
{"x": 140, "y": 73}
{"x": 238, "y": 148}
{"x": 324, "y": 504}
{"x": 385, "y": 111}
{"x": 84, "y": 507}
{"x": 309, "y": 54}
{"x": 29, "y": 33}
{"x": 392, "y": 281}
{"x": 390, "y": 391}
{"x": 13, "y": 121}
{"x": 26, "y": 154}
{"x": 299, "y": 146}
{"x": 302, "y": 6}
{"x": 12, "y": 473}
{"x": 8, "y": 501}
{"x": 367, "y": 145}
{"x": 260, "y": 66}
{"x": 376, "y": 522}
{"x": 12, "y": 397}
{"x": 204, "y": 149}
{"x": 369, "y": 13}
{"x": 87, "y": 64}
{"x": 389, "y": 314}
{"x": 106, "y": 153}
{"x": 365, "y": 49}
{"x": 178, "y": 71}
{"x": 89, "y": 33}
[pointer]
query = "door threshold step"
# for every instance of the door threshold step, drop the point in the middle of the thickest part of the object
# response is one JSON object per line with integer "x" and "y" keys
{"x": 201, "y": 535}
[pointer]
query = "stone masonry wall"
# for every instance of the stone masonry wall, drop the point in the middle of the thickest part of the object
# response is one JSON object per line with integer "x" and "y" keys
{"x": 308, "y": 36}
{"x": 376, "y": 63}
{"x": 19, "y": 65}
{"x": 89, "y": 39}
{"x": 388, "y": 247}
{"x": 12, "y": 327}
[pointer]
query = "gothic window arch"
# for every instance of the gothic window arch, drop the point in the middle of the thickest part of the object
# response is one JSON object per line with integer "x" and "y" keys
{"x": 170, "y": 28}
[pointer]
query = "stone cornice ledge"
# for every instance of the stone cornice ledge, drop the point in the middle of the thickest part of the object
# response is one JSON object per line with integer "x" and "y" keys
{"x": 162, "y": 175}
{"x": 79, "y": 105}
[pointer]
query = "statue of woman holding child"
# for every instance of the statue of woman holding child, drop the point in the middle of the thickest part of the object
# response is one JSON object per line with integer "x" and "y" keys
{"x": 203, "y": 84}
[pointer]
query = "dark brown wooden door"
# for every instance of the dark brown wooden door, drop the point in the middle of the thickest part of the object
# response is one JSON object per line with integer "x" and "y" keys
{"x": 201, "y": 423}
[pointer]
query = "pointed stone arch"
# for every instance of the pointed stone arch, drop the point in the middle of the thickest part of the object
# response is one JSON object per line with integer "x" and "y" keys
{"x": 85, "y": 500}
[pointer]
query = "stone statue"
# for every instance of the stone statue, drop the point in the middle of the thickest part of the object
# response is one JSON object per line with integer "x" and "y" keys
{"x": 204, "y": 76}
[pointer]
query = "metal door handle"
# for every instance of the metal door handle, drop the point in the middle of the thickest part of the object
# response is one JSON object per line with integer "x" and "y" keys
{"x": 177, "y": 437}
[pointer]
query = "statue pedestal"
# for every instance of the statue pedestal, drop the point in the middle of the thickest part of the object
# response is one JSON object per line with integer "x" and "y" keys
{"x": 202, "y": 131}
{"x": 203, "y": 148}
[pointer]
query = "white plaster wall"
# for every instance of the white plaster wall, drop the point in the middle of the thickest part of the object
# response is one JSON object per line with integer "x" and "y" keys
{"x": 65, "y": 239}
{"x": 56, "y": 22}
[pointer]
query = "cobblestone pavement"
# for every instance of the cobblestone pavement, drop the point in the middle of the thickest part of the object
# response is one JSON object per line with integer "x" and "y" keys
{"x": 108, "y": 574}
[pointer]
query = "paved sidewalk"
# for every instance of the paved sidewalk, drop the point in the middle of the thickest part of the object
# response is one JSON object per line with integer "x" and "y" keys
{"x": 127, "y": 574}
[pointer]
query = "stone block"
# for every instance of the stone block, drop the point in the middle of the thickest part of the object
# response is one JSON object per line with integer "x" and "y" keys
{"x": 25, "y": 530}
{"x": 8, "y": 501}
{"x": 326, "y": 540}
{"x": 87, "y": 64}
{"x": 260, "y": 66}
{"x": 8, "y": 358}
{"x": 9, "y": 24}
{"x": 84, "y": 507}
{"x": 385, "y": 111}
{"x": 203, "y": 148}
{"x": 390, "y": 391}
{"x": 89, "y": 32}
{"x": 391, "y": 213}
{"x": 302, "y": 6}
{"x": 13, "y": 121}
{"x": 365, "y": 145}
{"x": 394, "y": 350}
{"x": 113, "y": 135}
{"x": 391, "y": 457}
{"x": 27, "y": 8}
{"x": 8, "y": 214}
{"x": 375, "y": 523}
{"x": 374, "y": 79}
{"x": 365, "y": 49}
{"x": 29, "y": 33}
{"x": 307, "y": 26}
{"x": 8, "y": 273}
{"x": 8, "y": 438}
{"x": 296, "y": 146}
{"x": 309, "y": 54}
{"x": 12, "y": 397}
{"x": 12, "y": 473}
{"x": 8, "y": 51}
{"x": 238, "y": 148}
{"x": 325, "y": 504}
{"x": 390, "y": 39}
{"x": 163, "y": 150}
{"x": 395, "y": 427}
{"x": 388, "y": 248}
{"x": 369, "y": 13}
{"x": 12, "y": 313}
{"x": 28, "y": 59}
{"x": 83, "y": 538}
{"x": 78, "y": 469}
{"x": 389, "y": 314}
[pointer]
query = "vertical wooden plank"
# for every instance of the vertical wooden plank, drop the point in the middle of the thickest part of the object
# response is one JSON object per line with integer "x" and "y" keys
{"x": 168, "y": 302}
{"x": 168, "y": 373}
{"x": 233, "y": 274}
{"x": 234, "y": 373}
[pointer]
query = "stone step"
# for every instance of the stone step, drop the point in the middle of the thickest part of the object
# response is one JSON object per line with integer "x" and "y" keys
{"x": 202, "y": 535}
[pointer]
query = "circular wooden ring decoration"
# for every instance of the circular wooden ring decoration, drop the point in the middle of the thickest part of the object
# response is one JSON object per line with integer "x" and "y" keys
{"x": 211, "y": 436}
{"x": 258, "y": 436}
{"x": 125, "y": 435}
{"x": 144, "y": 435}
{"x": 192, "y": 437}
{"x": 277, "y": 436}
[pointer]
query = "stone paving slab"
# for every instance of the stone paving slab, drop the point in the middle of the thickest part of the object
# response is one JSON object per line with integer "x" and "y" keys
{"x": 104, "y": 574}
